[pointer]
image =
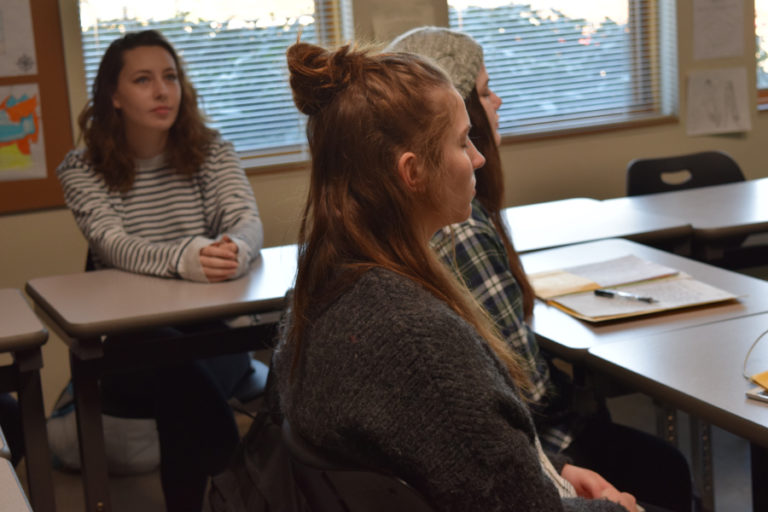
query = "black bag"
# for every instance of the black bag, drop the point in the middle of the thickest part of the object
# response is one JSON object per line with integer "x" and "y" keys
{"x": 259, "y": 477}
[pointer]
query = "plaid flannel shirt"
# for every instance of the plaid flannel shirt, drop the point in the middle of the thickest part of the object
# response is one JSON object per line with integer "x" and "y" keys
{"x": 475, "y": 251}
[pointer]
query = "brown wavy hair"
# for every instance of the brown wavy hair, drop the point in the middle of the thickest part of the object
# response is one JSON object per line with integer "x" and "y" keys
{"x": 490, "y": 190}
{"x": 364, "y": 111}
{"x": 101, "y": 125}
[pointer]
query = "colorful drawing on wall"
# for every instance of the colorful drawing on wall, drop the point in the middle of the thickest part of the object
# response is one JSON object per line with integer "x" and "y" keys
{"x": 22, "y": 152}
{"x": 17, "y": 42}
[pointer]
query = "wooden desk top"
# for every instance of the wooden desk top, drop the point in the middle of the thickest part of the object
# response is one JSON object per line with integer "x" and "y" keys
{"x": 19, "y": 327}
{"x": 714, "y": 212}
{"x": 568, "y": 221}
{"x": 90, "y": 304}
{"x": 571, "y": 338}
{"x": 698, "y": 369}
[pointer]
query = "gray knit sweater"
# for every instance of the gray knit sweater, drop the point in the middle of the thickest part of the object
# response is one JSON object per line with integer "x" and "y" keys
{"x": 390, "y": 377}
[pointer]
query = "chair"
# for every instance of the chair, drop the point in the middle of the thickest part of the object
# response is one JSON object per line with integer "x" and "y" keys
{"x": 330, "y": 486}
{"x": 708, "y": 168}
{"x": 253, "y": 384}
{"x": 666, "y": 174}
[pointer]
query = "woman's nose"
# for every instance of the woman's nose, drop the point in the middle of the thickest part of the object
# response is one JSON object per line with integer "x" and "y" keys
{"x": 477, "y": 158}
{"x": 161, "y": 89}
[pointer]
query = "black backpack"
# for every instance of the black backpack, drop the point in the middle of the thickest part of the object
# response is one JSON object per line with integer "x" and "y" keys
{"x": 259, "y": 477}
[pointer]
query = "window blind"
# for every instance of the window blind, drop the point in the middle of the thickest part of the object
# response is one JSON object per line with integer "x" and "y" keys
{"x": 560, "y": 65}
{"x": 236, "y": 63}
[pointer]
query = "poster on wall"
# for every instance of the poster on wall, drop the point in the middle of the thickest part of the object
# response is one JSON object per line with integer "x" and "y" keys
{"x": 718, "y": 102}
{"x": 17, "y": 42}
{"x": 718, "y": 29}
{"x": 22, "y": 151}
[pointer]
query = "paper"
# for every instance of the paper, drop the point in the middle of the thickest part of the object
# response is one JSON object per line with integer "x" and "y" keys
{"x": 558, "y": 282}
{"x": 17, "y": 42}
{"x": 668, "y": 293}
{"x": 596, "y": 275}
{"x": 718, "y": 29}
{"x": 22, "y": 151}
{"x": 718, "y": 102}
{"x": 573, "y": 289}
{"x": 761, "y": 378}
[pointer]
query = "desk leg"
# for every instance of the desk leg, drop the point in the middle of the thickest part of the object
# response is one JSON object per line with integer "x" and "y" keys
{"x": 759, "y": 456}
{"x": 90, "y": 433}
{"x": 701, "y": 460}
{"x": 666, "y": 422}
{"x": 37, "y": 453}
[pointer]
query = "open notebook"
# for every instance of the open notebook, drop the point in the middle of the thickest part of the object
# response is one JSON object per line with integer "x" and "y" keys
{"x": 627, "y": 286}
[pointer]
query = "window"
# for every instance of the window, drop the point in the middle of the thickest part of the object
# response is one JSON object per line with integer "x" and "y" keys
{"x": 761, "y": 35}
{"x": 563, "y": 64}
{"x": 234, "y": 51}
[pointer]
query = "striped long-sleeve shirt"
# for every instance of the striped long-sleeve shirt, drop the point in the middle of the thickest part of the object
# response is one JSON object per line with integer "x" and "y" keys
{"x": 475, "y": 252}
{"x": 159, "y": 226}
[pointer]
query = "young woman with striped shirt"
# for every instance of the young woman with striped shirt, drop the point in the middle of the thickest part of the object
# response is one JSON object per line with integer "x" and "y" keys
{"x": 155, "y": 191}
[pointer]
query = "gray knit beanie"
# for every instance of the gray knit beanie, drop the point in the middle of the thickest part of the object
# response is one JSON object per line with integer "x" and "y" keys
{"x": 455, "y": 52}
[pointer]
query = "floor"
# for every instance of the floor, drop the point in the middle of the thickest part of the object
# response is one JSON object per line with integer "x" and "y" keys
{"x": 128, "y": 493}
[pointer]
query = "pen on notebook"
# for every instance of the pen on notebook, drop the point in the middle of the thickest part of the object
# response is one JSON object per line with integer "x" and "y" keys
{"x": 625, "y": 295}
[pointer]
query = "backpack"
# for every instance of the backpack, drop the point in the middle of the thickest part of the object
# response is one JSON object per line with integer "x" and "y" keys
{"x": 132, "y": 445}
{"x": 259, "y": 477}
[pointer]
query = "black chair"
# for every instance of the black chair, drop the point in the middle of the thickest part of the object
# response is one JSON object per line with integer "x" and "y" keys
{"x": 708, "y": 168}
{"x": 666, "y": 174}
{"x": 330, "y": 486}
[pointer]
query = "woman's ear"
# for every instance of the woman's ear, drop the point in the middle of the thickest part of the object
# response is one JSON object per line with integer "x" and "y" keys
{"x": 411, "y": 171}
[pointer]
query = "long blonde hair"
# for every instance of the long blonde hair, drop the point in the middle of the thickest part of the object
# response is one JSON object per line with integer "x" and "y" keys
{"x": 364, "y": 110}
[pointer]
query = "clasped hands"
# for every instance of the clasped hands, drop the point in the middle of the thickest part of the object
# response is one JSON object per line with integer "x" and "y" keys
{"x": 589, "y": 484}
{"x": 219, "y": 260}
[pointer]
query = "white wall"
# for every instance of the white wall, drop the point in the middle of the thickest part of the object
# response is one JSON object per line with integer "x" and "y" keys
{"x": 48, "y": 242}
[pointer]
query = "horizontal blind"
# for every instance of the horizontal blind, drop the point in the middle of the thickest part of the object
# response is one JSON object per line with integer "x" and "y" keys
{"x": 572, "y": 68}
{"x": 237, "y": 66}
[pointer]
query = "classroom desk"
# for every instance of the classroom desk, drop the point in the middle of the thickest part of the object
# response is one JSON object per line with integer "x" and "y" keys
{"x": 84, "y": 307}
{"x": 568, "y": 221}
{"x": 699, "y": 370}
{"x": 570, "y": 338}
{"x": 717, "y": 213}
{"x": 22, "y": 334}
